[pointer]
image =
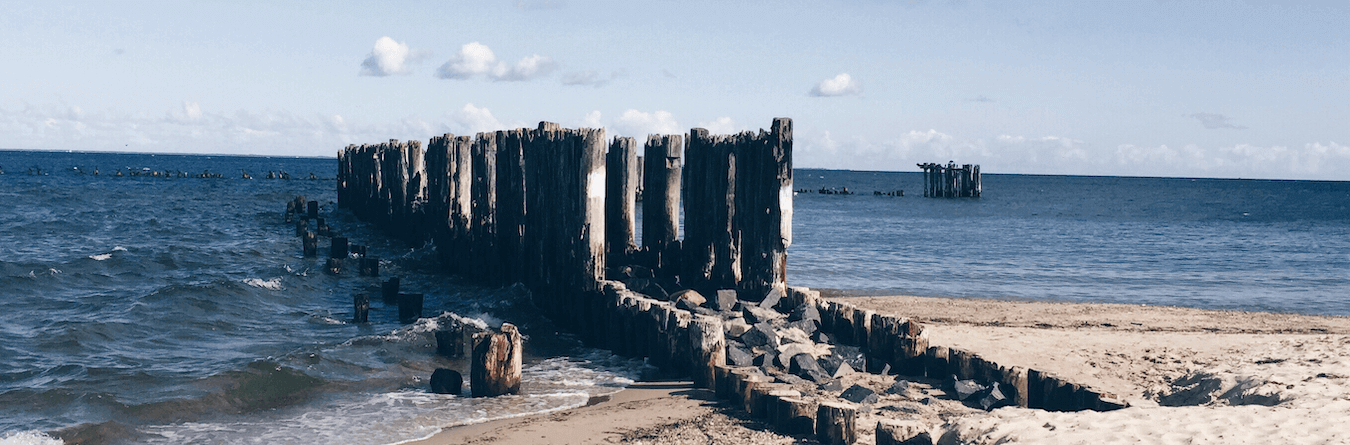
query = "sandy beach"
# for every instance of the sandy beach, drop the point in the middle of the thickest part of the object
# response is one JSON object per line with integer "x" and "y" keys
{"x": 1190, "y": 376}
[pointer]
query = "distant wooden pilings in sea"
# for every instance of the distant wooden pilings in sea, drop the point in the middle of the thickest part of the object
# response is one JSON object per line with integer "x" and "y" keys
{"x": 950, "y": 181}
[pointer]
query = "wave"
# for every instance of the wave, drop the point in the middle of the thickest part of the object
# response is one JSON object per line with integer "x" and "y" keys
{"x": 272, "y": 284}
{"x": 28, "y": 438}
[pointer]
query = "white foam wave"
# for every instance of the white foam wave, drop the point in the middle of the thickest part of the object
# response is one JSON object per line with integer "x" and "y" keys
{"x": 108, "y": 254}
{"x": 28, "y": 438}
{"x": 272, "y": 284}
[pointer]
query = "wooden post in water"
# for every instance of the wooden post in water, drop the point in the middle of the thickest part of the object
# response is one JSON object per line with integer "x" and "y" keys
{"x": 510, "y": 205}
{"x": 361, "y": 308}
{"x": 483, "y": 228}
{"x": 621, "y": 187}
{"x": 495, "y": 367}
{"x": 711, "y": 244}
{"x": 661, "y": 196}
{"x": 310, "y": 243}
{"x": 460, "y": 201}
{"x": 590, "y": 196}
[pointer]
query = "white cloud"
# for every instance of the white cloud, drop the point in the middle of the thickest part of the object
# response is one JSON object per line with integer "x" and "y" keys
{"x": 56, "y": 127}
{"x": 721, "y": 125}
{"x": 390, "y": 57}
{"x": 639, "y": 124}
{"x": 840, "y": 85}
{"x": 592, "y": 120}
{"x": 1064, "y": 155}
{"x": 475, "y": 58}
{"x": 476, "y": 120}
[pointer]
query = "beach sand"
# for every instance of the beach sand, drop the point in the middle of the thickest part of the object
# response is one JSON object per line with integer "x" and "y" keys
{"x": 1190, "y": 376}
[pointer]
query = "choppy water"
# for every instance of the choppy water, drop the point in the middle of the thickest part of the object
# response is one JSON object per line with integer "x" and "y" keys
{"x": 179, "y": 310}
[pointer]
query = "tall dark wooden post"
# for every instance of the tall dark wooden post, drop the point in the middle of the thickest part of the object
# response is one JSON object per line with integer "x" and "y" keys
{"x": 511, "y": 203}
{"x": 711, "y": 249}
{"x": 621, "y": 186}
{"x": 764, "y": 208}
{"x": 661, "y": 190}
{"x": 484, "y": 192}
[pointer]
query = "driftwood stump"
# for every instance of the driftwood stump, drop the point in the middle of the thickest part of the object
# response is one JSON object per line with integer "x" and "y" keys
{"x": 496, "y": 363}
{"x": 836, "y": 423}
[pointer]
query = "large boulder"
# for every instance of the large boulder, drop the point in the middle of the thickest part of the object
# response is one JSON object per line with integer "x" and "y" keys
{"x": 724, "y": 301}
{"x": 805, "y": 366}
{"x": 737, "y": 355}
{"x": 690, "y": 296}
{"x": 761, "y": 335}
{"x": 756, "y": 314}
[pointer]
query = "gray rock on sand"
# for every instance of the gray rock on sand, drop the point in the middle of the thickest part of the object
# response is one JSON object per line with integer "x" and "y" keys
{"x": 860, "y": 394}
{"x": 805, "y": 366}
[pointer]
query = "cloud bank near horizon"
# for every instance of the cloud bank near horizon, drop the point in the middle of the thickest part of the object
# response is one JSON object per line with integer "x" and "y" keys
{"x": 189, "y": 128}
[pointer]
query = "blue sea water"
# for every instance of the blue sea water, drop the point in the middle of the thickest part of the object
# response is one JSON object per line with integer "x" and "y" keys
{"x": 179, "y": 310}
{"x": 1209, "y": 243}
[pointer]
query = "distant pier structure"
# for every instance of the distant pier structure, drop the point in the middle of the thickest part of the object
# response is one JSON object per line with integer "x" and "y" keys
{"x": 951, "y": 180}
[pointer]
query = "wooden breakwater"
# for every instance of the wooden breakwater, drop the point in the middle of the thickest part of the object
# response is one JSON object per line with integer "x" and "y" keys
{"x": 555, "y": 209}
{"x": 951, "y": 181}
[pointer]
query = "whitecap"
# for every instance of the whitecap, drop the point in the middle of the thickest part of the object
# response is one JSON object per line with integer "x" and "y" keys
{"x": 100, "y": 257}
{"x": 272, "y": 284}
{"x": 28, "y": 438}
{"x": 119, "y": 249}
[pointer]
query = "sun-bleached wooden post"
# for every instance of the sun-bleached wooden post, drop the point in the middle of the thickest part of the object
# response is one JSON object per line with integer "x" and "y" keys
{"x": 495, "y": 368}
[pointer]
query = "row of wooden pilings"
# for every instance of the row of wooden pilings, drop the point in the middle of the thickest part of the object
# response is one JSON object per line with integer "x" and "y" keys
{"x": 950, "y": 181}
{"x": 548, "y": 207}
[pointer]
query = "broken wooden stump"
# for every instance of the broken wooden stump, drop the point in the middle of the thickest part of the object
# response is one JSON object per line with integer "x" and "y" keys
{"x": 836, "y": 423}
{"x": 496, "y": 362}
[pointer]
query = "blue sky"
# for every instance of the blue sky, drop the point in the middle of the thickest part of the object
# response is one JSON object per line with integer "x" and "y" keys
{"x": 1148, "y": 88}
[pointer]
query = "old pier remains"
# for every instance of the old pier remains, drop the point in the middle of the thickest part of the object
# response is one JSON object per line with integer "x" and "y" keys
{"x": 951, "y": 181}
{"x": 555, "y": 209}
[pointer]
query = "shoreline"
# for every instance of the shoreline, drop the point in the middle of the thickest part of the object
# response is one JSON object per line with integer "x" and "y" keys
{"x": 1254, "y": 370}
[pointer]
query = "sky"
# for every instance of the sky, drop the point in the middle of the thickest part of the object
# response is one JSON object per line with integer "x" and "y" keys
{"x": 1229, "y": 89}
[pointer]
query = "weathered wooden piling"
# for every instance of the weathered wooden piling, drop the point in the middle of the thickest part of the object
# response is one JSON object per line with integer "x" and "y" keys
{"x": 621, "y": 185}
{"x": 495, "y": 367}
{"x": 764, "y": 208}
{"x": 409, "y": 307}
{"x": 711, "y": 250}
{"x": 950, "y": 181}
{"x": 338, "y": 247}
{"x": 483, "y": 212}
{"x": 664, "y": 163}
{"x": 313, "y": 210}
{"x": 310, "y": 243}
{"x": 360, "y": 308}
{"x": 836, "y": 423}
{"x": 389, "y": 290}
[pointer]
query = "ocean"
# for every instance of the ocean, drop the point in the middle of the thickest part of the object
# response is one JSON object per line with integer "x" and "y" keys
{"x": 151, "y": 309}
